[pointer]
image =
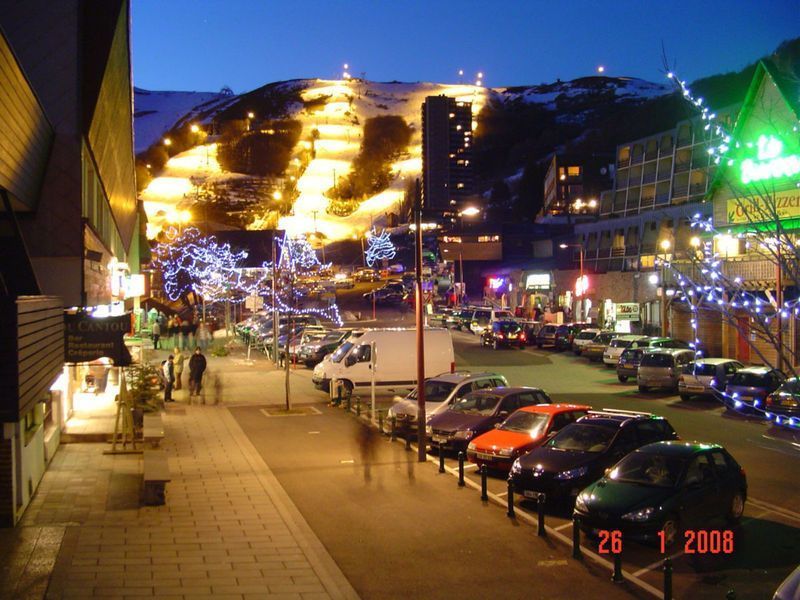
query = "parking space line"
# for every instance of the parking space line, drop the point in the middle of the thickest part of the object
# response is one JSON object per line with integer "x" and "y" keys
{"x": 564, "y": 526}
{"x": 501, "y": 494}
{"x": 657, "y": 565}
{"x": 768, "y": 506}
{"x": 470, "y": 467}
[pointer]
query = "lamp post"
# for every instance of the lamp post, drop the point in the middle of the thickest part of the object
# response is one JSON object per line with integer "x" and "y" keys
{"x": 665, "y": 246}
{"x": 581, "y": 279}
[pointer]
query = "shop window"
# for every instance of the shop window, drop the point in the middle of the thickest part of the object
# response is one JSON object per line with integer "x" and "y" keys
{"x": 573, "y": 171}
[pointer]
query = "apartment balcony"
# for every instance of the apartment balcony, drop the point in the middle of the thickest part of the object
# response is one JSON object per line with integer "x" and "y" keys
{"x": 649, "y": 177}
{"x": 697, "y": 188}
{"x": 632, "y": 250}
{"x": 755, "y": 274}
{"x": 662, "y": 198}
{"x": 621, "y": 164}
{"x": 652, "y": 155}
{"x": 636, "y": 159}
{"x": 617, "y": 252}
{"x": 680, "y": 167}
{"x": 679, "y": 191}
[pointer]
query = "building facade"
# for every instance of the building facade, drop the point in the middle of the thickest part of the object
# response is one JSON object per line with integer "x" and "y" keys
{"x": 447, "y": 174}
{"x": 73, "y": 221}
{"x": 573, "y": 186}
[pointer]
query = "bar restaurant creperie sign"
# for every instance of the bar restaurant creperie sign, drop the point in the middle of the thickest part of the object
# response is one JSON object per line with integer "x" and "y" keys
{"x": 88, "y": 338}
{"x": 781, "y": 205}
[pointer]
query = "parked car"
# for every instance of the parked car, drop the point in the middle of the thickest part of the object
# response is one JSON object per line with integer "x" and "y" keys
{"x": 661, "y": 368}
{"x": 503, "y": 334}
{"x": 395, "y": 366}
{"x": 482, "y": 317}
{"x": 546, "y": 337}
{"x": 565, "y": 335}
{"x": 440, "y": 316}
{"x": 391, "y": 293}
{"x": 660, "y": 342}
{"x": 522, "y": 431}
{"x": 367, "y": 275}
{"x": 751, "y": 386}
{"x": 597, "y": 345}
{"x": 343, "y": 281}
{"x": 786, "y": 399}
{"x": 440, "y": 392}
{"x": 706, "y": 376}
{"x": 628, "y": 363}
{"x": 312, "y": 353}
{"x": 789, "y": 589}
{"x": 582, "y": 338}
{"x": 615, "y": 348}
{"x": 665, "y": 487}
{"x": 580, "y": 453}
{"x": 478, "y": 412}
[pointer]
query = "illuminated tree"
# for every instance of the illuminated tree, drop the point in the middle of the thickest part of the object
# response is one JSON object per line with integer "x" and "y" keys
{"x": 379, "y": 247}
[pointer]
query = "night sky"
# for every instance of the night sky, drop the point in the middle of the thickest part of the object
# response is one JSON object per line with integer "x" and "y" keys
{"x": 206, "y": 44}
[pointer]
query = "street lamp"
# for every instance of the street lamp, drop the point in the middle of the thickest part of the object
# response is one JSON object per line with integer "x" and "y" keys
{"x": 665, "y": 246}
{"x": 581, "y": 279}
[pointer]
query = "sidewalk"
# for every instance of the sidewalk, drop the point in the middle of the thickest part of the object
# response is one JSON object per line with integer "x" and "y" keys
{"x": 228, "y": 529}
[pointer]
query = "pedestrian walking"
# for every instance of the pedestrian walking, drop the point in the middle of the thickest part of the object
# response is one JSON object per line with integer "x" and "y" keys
{"x": 197, "y": 366}
{"x": 178, "y": 360}
{"x": 156, "y": 333}
{"x": 168, "y": 372}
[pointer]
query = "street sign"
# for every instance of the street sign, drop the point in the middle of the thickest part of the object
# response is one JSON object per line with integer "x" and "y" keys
{"x": 628, "y": 311}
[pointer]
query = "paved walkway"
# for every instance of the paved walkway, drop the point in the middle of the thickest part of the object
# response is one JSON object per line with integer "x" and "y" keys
{"x": 228, "y": 529}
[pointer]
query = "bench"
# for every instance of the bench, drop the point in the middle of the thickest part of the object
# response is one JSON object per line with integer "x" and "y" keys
{"x": 156, "y": 476}
{"x": 152, "y": 429}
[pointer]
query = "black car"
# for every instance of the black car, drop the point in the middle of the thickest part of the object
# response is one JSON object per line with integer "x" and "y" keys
{"x": 312, "y": 353}
{"x": 662, "y": 488}
{"x": 786, "y": 399}
{"x": 477, "y": 413}
{"x": 504, "y": 334}
{"x": 583, "y": 450}
{"x": 391, "y": 293}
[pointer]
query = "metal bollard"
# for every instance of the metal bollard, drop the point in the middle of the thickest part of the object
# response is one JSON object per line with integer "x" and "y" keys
{"x": 358, "y": 406}
{"x": 510, "y": 511}
{"x": 617, "y": 577}
{"x": 484, "y": 490}
{"x": 576, "y": 538}
{"x": 441, "y": 459}
{"x": 461, "y": 470}
{"x": 667, "y": 579}
{"x": 540, "y": 500}
{"x": 394, "y": 428}
{"x": 408, "y": 438}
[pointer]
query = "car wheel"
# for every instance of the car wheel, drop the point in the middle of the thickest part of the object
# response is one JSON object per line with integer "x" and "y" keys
{"x": 643, "y": 388}
{"x": 737, "y": 508}
{"x": 671, "y": 531}
{"x": 685, "y": 397}
{"x": 622, "y": 378}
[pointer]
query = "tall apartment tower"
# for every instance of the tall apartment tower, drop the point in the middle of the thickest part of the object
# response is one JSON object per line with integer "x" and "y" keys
{"x": 447, "y": 180}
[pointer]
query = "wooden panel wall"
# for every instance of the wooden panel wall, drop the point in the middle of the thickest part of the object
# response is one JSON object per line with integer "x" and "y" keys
{"x": 25, "y": 134}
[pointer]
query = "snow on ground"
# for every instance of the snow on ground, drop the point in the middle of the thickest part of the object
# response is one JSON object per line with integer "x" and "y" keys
{"x": 157, "y": 112}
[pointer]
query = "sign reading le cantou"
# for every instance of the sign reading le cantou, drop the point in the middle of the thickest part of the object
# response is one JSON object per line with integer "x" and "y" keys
{"x": 88, "y": 338}
{"x": 627, "y": 311}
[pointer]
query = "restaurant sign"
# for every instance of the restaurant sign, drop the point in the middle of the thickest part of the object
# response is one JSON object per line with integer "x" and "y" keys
{"x": 627, "y": 311}
{"x": 87, "y": 338}
{"x": 758, "y": 209}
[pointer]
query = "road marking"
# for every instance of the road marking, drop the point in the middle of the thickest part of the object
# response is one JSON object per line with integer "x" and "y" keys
{"x": 552, "y": 563}
{"x": 501, "y": 494}
{"x": 784, "y": 512}
{"x": 470, "y": 466}
{"x": 657, "y": 564}
{"x": 349, "y": 461}
{"x": 564, "y": 526}
{"x": 313, "y": 432}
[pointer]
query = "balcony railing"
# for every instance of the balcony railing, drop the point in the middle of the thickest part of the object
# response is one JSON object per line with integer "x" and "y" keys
{"x": 680, "y": 167}
{"x": 617, "y": 252}
{"x": 697, "y": 188}
{"x": 649, "y": 177}
{"x": 622, "y": 163}
{"x": 636, "y": 159}
{"x": 680, "y": 190}
{"x": 651, "y": 155}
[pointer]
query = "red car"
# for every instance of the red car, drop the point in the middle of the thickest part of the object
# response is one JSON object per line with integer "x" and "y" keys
{"x": 524, "y": 430}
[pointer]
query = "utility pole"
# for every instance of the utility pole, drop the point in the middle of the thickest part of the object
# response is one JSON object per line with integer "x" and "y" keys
{"x": 275, "y": 328}
{"x": 422, "y": 443}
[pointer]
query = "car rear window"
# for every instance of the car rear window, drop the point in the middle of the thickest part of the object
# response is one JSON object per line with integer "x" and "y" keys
{"x": 632, "y": 354}
{"x": 748, "y": 379}
{"x": 580, "y": 437}
{"x": 506, "y": 326}
{"x": 700, "y": 369}
{"x": 657, "y": 360}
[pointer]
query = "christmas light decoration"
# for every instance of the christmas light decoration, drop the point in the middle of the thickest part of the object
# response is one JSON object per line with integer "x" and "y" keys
{"x": 379, "y": 247}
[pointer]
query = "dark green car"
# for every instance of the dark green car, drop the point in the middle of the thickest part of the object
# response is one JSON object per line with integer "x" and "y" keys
{"x": 664, "y": 487}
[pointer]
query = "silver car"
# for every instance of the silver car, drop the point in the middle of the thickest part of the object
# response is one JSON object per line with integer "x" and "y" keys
{"x": 661, "y": 368}
{"x": 440, "y": 392}
{"x": 706, "y": 376}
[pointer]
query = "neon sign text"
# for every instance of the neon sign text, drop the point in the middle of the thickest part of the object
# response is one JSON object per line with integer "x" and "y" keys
{"x": 769, "y": 163}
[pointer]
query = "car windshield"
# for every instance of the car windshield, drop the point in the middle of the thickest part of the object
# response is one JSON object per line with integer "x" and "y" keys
{"x": 648, "y": 469}
{"x": 507, "y": 327}
{"x": 791, "y": 386}
{"x": 618, "y": 343}
{"x": 748, "y": 379}
{"x": 533, "y": 424}
{"x": 339, "y": 353}
{"x": 656, "y": 359}
{"x": 602, "y": 338}
{"x": 580, "y": 437}
{"x": 700, "y": 369}
{"x": 476, "y": 404}
{"x": 435, "y": 391}
{"x": 332, "y": 338}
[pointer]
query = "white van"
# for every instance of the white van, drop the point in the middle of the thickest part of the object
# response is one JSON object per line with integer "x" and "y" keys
{"x": 395, "y": 359}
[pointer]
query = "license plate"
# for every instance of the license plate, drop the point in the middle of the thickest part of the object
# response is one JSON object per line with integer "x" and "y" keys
{"x": 439, "y": 439}
{"x": 484, "y": 456}
{"x": 530, "y": 494}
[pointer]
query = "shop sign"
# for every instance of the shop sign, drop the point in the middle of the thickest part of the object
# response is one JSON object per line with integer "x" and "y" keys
{"x": 538, "y": 281}
{"x": 581, "y": 285}
{"x": 757, "y": 209}
{"x": 627, "y": 311}
{"x": 770, "y": 162}
{"x": 87, "y": 338}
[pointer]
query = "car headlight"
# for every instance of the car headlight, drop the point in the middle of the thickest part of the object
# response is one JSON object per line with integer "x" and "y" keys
{"x": 516, "y": 468}
{"x": 573, "y": 473}
{"x": 463, "y": 434}
{"x": 471, "y": 447}
{"x": 506, "y": 452}
{"x": 580, "y": 503}
{"x": 644, "y": 514}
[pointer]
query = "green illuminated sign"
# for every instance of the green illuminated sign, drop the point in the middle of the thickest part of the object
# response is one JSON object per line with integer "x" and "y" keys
{"x": 770, "y": 163}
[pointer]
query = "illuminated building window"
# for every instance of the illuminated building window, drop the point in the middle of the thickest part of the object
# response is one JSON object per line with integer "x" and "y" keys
{"x": 460, "y": 185}
{"x": 488, "y": 238}
{"x": 573, "y": 171}
{"x": 451, "y": 239}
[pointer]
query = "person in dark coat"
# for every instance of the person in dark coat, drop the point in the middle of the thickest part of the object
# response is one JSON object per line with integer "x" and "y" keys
{"x": 197, "y": 366}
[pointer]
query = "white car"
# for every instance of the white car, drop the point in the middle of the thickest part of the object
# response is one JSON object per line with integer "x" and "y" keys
{"x": 440, "y": 392}
{"x": 617, "y": 347}
{"x": 483, "y": 317}
{"x": 582, "y": 338}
